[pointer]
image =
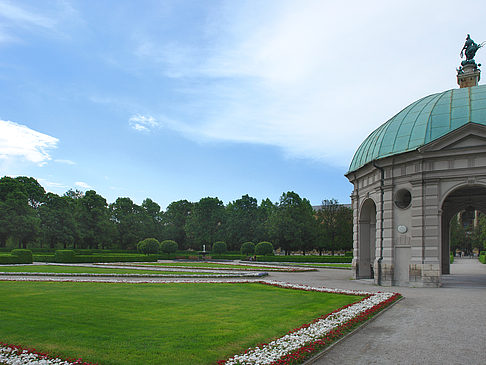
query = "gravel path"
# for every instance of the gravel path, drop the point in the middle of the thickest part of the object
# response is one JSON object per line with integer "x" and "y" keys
{"x": 430, "y": 326}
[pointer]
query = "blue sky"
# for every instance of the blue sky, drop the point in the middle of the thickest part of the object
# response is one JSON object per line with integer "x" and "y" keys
{"x": 186, "y": 99}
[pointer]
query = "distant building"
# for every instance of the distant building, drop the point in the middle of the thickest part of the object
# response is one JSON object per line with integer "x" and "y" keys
{"x": 319, "y": 207}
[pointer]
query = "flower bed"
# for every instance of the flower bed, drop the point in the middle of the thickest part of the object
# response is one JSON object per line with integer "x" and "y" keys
{"x": 180, "y": 275}
{"x": 17, "y": 355}
{"x": 303, "y": 342}
{"x": 293, "y": 348}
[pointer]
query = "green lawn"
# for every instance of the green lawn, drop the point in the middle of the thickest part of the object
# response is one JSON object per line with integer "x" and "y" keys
{"x": 154, "y": 323}
{"x": 96, "y": 270}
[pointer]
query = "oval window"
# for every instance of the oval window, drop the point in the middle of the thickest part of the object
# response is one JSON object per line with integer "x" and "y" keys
{"x": 403, "y": 198}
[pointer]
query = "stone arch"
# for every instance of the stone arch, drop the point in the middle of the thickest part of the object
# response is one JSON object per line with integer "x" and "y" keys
{"x": 367, "y": 239}
{"x": 459, "y": 198}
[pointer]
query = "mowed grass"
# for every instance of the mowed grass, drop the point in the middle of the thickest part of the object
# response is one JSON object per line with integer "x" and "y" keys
{"x": 180, "y": 323}
{"x": 89, "y": 270}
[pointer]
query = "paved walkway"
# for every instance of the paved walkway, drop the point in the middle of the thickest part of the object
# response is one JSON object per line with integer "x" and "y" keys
{"x": 430, "y": 326}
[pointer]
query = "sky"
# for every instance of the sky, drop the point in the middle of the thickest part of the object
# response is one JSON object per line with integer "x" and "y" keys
{"x": 184, "y": 99}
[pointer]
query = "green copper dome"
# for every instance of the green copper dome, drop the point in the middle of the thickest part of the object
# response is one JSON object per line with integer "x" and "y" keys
{"x": 422, "y": 122}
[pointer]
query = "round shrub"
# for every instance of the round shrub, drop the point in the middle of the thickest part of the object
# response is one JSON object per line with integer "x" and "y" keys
{"x": 248, "y": 248}
{"x": 169, "y": 246}
{"x": 264, "y": 248}
{"x": 219, "y": 247}
{"x": 148, "y": 246}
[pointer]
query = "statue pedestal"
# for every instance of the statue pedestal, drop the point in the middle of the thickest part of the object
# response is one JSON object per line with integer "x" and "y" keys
{"x": 468, "y": 75}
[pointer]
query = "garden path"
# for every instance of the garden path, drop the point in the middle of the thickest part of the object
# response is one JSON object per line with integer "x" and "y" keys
{"x": 429, "y": 326}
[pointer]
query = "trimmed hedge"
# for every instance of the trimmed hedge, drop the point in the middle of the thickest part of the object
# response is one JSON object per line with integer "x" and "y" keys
{"x": 306, "y": 258}
{"x": 482, "y": 258}
{"x": 9, "y": 259}
{"x": 64, "y": 256}
{"x": 25, "y": 256}
{"x": 227, "y": 256}
{"x": 17, "y": 256}
{"x": 114, "y": 258}
{"x": 43, "y": 258}
{"x": 70, "y": 257}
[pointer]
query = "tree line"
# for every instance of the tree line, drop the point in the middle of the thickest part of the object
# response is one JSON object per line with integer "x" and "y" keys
{"x": 30, "y": 217}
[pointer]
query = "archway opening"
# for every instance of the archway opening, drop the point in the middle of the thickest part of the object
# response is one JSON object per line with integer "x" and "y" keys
{"x": 460, "y": 215}
{"x": 367, "y": 240}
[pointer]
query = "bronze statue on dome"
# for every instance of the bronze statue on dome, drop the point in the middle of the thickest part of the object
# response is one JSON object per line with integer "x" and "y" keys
{"x": 470, "y": 48}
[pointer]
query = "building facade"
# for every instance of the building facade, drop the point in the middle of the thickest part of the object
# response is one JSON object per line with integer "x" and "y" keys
{"x": 411, "y": 176}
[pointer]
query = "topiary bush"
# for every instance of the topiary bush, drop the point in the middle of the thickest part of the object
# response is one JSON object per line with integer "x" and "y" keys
{"x": 148, "y": 246}
{"x": 247, "y": 248}
{"x": 219, "y": 247}
{"x": 64, "y": 256}
{"x": 169, "y": 246}
{"x": 24, "y": 256}
{"x": 264, "y": 248}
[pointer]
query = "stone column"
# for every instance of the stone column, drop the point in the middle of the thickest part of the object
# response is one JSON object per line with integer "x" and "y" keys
{"x": 355, "y": 206}
{"x": 417, "y": 233}
{"x": 432, "y": 235}
{"x": 388, "y": 232}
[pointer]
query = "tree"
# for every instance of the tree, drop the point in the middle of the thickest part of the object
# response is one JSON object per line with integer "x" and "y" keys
{"x": 19, "y": 199}
{"x": 174, "y": 221}
{"x": 94, "y": 224}
{"x": 148, "y": 246}
{"x": 169, "y": 246}
{"x": 264, "y": 248}
{"x": 151, "y": 218}
{"x": 27, "y": 185}
{"x": 127, "y": 217}
{"x": 57, "y": 221}
{"x": 204, "y": 224}
{"x": 335, "y": 226}
{"x": 265, "y": 211}
{"x": 293, "y": 225}
{"x": 241, "y": 221}
{"x": 481, "y": 234}
{"x": 219, "y": 247}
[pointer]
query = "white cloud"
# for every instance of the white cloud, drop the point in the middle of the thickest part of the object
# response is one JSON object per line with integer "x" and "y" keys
{"x": 51, "y": 184}
{"x": 36, "y": 17}
{"x": 143, "y": 123}
{"x": 15, "y": 13}
{"x": 314, "y": 79}
{"x": 82, "y": 185}
{"x": 18, "y": 140}
{"x": 66, "y": 162}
